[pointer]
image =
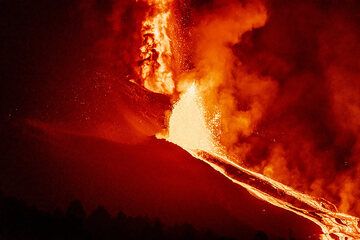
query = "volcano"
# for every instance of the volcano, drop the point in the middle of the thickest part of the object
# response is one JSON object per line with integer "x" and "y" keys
{"x": 153, "y": 178}
{"x": 237, "y": 116}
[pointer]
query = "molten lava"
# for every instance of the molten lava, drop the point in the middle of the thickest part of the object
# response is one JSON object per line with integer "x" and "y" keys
{"x": 191, "y": 127}
{"x": 188, "y": 127}
{"x": 156, "y": 52}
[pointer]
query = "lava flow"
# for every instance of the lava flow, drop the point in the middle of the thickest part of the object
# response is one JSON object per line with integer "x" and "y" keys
{"x": 189, "y": 127}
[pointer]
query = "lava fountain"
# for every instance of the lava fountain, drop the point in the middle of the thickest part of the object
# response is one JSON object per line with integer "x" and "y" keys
{"x": 188, "y": 127}
{"x": 155, "y": 53}
{"x": 191, "y": 128}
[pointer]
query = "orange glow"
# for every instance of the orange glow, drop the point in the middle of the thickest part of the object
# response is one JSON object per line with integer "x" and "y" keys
{"x": 189, "y": 129}
{"x": 220, "y": 76}
{"x": 156, "y": 50}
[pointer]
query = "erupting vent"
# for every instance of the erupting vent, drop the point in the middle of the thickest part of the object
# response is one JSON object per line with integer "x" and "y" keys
{"x": 188, "y": 127}
{"x": 191, "y": 127}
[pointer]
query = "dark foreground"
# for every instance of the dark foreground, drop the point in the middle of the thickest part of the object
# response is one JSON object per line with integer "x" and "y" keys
{"x": 20, "y": 221}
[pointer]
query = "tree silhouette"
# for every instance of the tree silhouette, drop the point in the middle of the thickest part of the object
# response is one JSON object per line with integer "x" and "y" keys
{"x": 19, "y": 221}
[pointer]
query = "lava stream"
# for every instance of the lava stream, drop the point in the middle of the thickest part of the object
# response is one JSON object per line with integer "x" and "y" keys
{"x": 188, "y": 128}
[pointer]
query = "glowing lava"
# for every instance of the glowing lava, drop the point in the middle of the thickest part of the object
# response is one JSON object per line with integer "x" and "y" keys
{"x": 155, "y": 52}
{"x": 189, "y": 129}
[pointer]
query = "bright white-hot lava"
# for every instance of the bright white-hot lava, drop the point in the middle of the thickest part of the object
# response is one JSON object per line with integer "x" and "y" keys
{"x": 190, "y": 128}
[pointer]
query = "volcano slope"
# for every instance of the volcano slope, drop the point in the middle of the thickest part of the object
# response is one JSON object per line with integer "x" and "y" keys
{"x": 50, "y": 167}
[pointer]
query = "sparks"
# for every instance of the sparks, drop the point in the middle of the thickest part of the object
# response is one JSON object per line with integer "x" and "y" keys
{"x": 190, "y": 128}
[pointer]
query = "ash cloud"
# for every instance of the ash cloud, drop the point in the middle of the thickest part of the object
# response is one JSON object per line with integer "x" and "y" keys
{"x": 308, "y": 135}
{"x": 284, "y": 75}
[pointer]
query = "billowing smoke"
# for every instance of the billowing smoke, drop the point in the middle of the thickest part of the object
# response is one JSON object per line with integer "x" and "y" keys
{"x": 310, "y": 49}
{"x": 283, "y": 74}
{"x": 288, "y": 91}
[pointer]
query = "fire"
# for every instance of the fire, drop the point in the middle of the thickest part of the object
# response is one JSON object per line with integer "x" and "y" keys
{"x": 191, "y": 127}
{"x": 156, "y": 52}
